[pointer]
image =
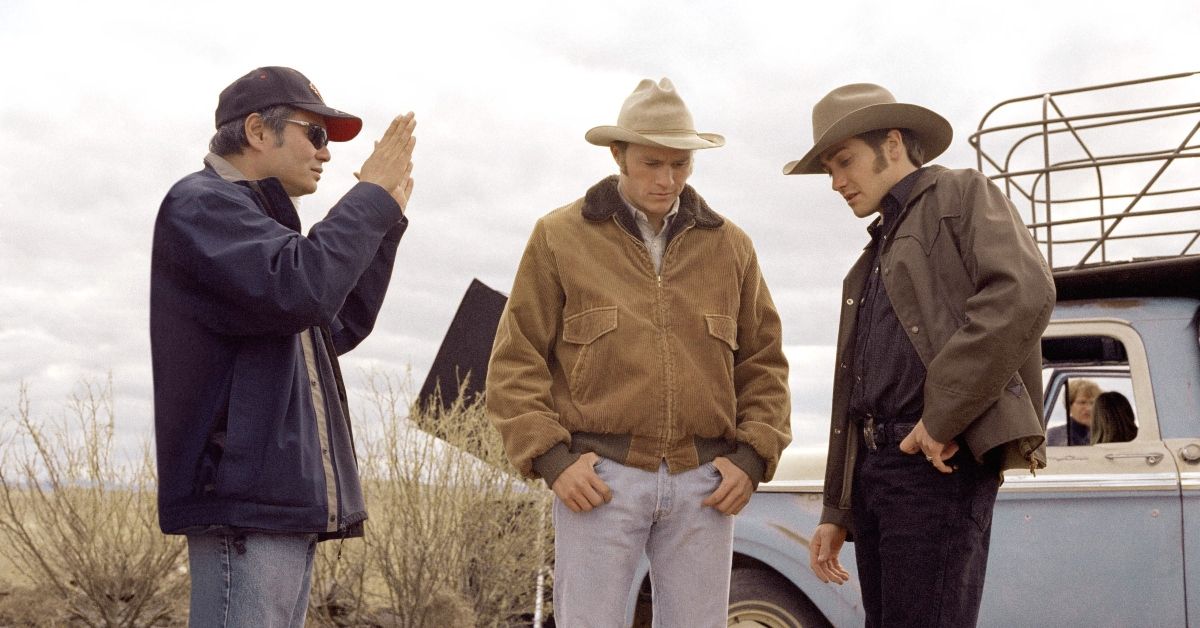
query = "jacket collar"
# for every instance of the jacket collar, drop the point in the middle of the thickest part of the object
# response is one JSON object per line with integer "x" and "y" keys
{"x": 268, "y": 193}
{"x": 603, "y": 201}
{"x": 926, "y": 179}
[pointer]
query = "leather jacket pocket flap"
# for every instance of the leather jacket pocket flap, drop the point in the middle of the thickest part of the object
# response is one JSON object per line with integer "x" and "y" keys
{"x": 925, "y": 234}
{"x": 585, "y": 327}
{"x": 724, "y": 328}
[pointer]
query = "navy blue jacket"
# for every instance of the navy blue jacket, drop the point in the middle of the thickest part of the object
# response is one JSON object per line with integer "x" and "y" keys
{"x": 247, "y": 317}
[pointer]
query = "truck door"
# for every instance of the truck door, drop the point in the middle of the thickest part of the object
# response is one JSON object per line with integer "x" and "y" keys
{"x": 1095, "y": 538}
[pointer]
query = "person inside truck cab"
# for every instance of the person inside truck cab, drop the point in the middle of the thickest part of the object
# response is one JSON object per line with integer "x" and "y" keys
{"x": 1112, "y": 419}
{"x": 1081, "y": 397}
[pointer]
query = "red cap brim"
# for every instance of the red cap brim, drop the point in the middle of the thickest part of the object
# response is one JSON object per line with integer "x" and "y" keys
{"x": 342, "y": 127}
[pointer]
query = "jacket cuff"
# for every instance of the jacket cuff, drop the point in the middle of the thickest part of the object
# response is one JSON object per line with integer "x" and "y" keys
{"x": 384, "y": 204}
{"x": 552, "y": 463}
{"x": 749, "y": 461}
{"x": 397, "y": 230}
{"x": 836, "y": 516}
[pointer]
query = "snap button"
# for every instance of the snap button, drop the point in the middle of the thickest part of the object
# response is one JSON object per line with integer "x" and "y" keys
{"x": 849, "y": 301}
{"x": 914, "y": 329}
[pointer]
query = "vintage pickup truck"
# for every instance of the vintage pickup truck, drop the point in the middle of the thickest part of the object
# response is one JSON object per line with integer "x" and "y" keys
{"x": 1106, "y": 534}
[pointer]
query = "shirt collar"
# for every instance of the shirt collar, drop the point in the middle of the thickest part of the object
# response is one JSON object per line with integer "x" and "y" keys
{"x": 223, "y": 168}
{"x": 230, "y": 173}
{"x": 640, "y": 216}
{"x": 893, "y": 204}
{"x": 891, "y": 208}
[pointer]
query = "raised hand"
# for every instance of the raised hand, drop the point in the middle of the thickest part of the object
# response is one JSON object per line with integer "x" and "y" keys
{"x": 390, "y": 164}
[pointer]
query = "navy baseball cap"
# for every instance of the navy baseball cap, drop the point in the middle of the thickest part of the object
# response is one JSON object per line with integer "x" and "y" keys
{"x": 275, "y": 85}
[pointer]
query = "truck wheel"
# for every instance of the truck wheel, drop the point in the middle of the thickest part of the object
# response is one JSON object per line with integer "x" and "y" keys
{"x": 763, "y": 599}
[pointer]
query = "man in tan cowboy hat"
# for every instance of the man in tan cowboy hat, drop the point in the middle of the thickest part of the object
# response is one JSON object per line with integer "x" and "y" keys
{"x": 937, "y": 387}
{"x": 638, "y": 369}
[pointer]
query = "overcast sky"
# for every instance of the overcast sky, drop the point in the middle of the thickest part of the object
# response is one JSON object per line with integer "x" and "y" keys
{"x": 103, "y": 105}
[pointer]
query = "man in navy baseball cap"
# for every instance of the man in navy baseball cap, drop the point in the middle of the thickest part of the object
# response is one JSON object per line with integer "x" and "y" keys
{"x": 248, "y": 315}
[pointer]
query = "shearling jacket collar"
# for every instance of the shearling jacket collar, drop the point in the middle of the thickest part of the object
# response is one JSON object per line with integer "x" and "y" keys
{"x": 603, "y": 201}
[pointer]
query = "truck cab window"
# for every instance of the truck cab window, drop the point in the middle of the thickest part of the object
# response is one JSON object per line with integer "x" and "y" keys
{"x": 1082, "y": 373}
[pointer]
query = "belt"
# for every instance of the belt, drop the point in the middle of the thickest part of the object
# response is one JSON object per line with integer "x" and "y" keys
{"x": 876, "y": 435}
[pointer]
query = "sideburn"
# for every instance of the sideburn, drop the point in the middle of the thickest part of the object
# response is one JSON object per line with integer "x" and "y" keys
{"x": 880, "y": 164}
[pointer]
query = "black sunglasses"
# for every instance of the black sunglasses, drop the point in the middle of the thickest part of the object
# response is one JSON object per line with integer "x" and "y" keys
{"x": 316, "y": 133}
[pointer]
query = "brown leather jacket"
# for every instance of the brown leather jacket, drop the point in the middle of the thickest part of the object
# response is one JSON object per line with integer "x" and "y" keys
{"x": 596, "y": 351}
{"x": 971, "y": 288}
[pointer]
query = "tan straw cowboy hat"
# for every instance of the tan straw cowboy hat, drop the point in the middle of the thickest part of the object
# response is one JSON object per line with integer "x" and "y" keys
{"x": 860, "y": 107}
{"x": 654, "y": 114}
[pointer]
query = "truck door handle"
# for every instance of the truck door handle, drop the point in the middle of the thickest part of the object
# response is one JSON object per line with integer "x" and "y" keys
{"x": 1153, "y": 458}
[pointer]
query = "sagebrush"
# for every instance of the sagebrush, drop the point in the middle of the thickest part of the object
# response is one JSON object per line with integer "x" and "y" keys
{"x": 82, "y": 529}
{"x": 455, "y": 537}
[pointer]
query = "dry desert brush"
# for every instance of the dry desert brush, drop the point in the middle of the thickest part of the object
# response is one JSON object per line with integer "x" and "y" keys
{"x": 455, "y": 536}
{"x": 82, "y": 527}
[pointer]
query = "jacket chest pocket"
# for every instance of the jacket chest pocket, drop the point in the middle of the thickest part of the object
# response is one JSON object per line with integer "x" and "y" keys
{"x": 929, "y": 263}
{"x": 582, "y": 331}
{"x": 722, "y": 330}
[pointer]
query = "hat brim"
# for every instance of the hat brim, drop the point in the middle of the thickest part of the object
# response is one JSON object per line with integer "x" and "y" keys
{"x": 342, "y": 127}
{"x": 933, "y": 130}
{"x": 605, "y": 135}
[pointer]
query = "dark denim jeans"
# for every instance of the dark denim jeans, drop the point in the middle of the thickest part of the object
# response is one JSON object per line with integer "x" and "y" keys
{"x": 921, "y": 536}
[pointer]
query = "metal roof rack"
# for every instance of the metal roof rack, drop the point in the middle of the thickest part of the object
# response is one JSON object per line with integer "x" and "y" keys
{"x": 1125, "y": 186}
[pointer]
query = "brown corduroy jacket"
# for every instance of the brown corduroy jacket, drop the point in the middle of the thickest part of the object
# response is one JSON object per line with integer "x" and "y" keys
{"x": 598, "y": 352}
{"x": 971, "y": 288}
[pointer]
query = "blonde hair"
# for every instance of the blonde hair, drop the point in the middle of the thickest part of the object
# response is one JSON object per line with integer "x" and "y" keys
{"x": 1077, "y": 386}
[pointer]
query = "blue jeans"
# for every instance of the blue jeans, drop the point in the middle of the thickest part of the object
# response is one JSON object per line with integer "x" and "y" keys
{"x": 652, "y": 513}
{"x": 253, "y": 579}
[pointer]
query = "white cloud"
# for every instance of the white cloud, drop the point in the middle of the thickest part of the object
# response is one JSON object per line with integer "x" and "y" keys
{"x": 107, "y": 104}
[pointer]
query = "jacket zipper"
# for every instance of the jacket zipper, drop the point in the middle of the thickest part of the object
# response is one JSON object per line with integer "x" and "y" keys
{"x": 670, "y": 431}
{"x": 662, "y": 312}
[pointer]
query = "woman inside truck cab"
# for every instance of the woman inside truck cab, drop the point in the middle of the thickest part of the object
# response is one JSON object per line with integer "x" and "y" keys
{"x": 1112, "y": 420}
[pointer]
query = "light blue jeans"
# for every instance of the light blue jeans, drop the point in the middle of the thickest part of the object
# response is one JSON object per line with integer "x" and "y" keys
{"x": 255, "y": 579}
{"x": 656, "y": 514}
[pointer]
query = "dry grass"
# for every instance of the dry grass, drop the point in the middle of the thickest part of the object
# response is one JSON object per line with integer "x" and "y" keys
{"x": 455, "y": 538}
{"x": 80, "y": 528}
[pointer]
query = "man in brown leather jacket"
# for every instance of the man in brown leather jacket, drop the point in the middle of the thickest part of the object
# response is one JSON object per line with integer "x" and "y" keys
{"x": 937, "y": 386}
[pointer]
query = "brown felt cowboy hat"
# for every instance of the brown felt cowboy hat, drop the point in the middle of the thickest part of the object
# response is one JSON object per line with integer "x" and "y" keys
{"x": 860, "y": 107}
{"x": 655, "y": 115}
